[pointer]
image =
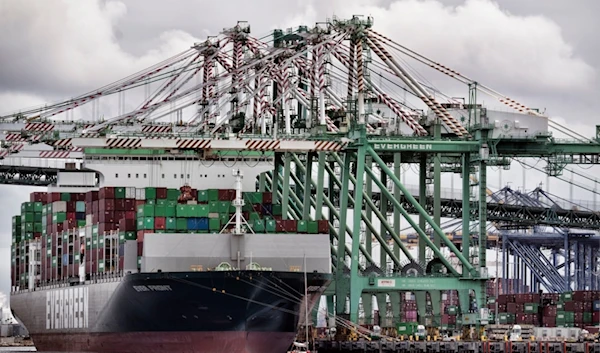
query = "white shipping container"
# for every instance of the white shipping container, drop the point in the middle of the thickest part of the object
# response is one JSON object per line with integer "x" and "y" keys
{"x": 81, "y": 232}
{"x": 88, "y": 231}
{"x": 59, "y": 206}
{"x": 140, "y": 194}
{"x": 89, "y": 219}
{"x": 130, "y": 193}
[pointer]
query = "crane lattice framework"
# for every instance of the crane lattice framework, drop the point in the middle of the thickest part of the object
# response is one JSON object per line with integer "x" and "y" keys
{"x": 241, "y": 106}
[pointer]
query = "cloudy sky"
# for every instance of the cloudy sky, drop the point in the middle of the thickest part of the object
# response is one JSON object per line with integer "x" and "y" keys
{"x": 545, "y": 54}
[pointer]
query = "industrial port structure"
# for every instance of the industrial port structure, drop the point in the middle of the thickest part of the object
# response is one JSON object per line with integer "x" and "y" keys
{"x": 308, "y": 100}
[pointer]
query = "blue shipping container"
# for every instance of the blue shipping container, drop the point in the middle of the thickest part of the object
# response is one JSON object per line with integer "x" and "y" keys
{"x": 202, "y": 223}
{"x": 596, "y": 305}
{"x": 268, "y": 209}
{"x": 80, "y": 206}
{"x": 192, "y": 224}
{"x": 80, "y": 216}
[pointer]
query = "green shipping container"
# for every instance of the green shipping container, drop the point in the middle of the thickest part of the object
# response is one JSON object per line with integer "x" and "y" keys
{"x": 160, "y": 211}
{"x": 171, "y": 223}
{"x": 26, "y": 207}
{"x": 182, "y": 224}
{"x": 270, "y": 226}
{"x": 172, "y": 194}
{"x": 119, "y": 193}
{"x": 566, "y": 297}
{"x": 214, "y": 224}
{"x": 302, "y": 227}
{"x": 224, "y": 207}
{"x": 16, "y": 220}
{"x": 258, "y": 225}
{"x": 123, "y": 236}
{"x": 213, "y": 195}
{"x": 146, "y": 211}
{"x": 530, "y": 308}
{"x": 312, "y": 227}
{"x": 59, "y": 217}
{"x": 213, "y": 206}
{"x": 203, "y": 196}
{"x": 223, "y": 218}
{"x": 253, "y": 197}
{"x": 38, "y": 207}
{"x": 201, "y": 211}
{"x": 27, "y": 217}
{"x": 406, "y": 328}
{"x": 254, "y": 216}
{"x": 150, "y": 193}
{"x": 277, "y": 210}
{"x": 181, "y": 211}
{"x": 37, "y": 217}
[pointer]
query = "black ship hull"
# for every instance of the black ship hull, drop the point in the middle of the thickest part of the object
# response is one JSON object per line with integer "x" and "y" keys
{"x": 208, "y": 312}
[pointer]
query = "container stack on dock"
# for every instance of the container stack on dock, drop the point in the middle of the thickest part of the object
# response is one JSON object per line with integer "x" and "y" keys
{"x": 571, "y": 309}
{"x": 96, "y": 224}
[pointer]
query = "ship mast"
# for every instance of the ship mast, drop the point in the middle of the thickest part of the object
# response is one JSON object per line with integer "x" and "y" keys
{"x": 239, "y": 201}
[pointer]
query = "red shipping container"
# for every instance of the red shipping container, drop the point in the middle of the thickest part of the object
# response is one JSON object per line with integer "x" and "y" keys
{"x": 95, "y": 207}
{"x": 126, "y": 225}
{"x": 38, "y": 197}
{"x": 267, "y": 198}
{"x": 257, "y": 208}
{"x": 57, "y": 228}
{"x": 95, "y": 217}
{"x": 323, "y": 226}
{"x": 140, "y": 249}
{"x": 141, "y": 234}
{"x": 139, "y": 202}
{"x": 160, "y": 223}
{"x": 290, "y": 226}
{"x": 91, "y": 196}
{"x": 106, "y": 217}
{"x": 119, "y": 205}
{"x": 119, "y": 215}
{"x": 106, "y": 193}
{"x": 226, "y": 194}
{"x": 106, "y": 205}
{"x": 78, "y": 196}
{"x": 161, "y": 193}
{"x": 195, "y": 194}
{"x": 578, "y": 318}
{"x": 106, "y": 227}
{"x": 130, "y": 214}
{"x": 121, "y": 263}
{"x": 71, "y": 206}
{"x": 71, "y": 216}
{"x": 52, "y": 197}
{"x": 129, "y": 205}
{"x": 570, "y": 306}
{"x": 549, "y": 310}
{"x": 39, "y": 235}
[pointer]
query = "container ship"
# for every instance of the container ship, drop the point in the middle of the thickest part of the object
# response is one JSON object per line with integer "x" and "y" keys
{"x": 163, "y": 269}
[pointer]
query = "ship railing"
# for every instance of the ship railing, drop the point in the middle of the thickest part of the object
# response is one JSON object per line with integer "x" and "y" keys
{"x": 115, "y": 276}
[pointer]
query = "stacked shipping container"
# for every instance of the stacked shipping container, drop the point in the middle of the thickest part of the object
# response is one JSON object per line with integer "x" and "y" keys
{"x": 97, "y": 223}
{"x": 572, "y": 309}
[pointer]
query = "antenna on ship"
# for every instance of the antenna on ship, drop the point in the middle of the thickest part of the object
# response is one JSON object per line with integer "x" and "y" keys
{"x": 238, "y": 203}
